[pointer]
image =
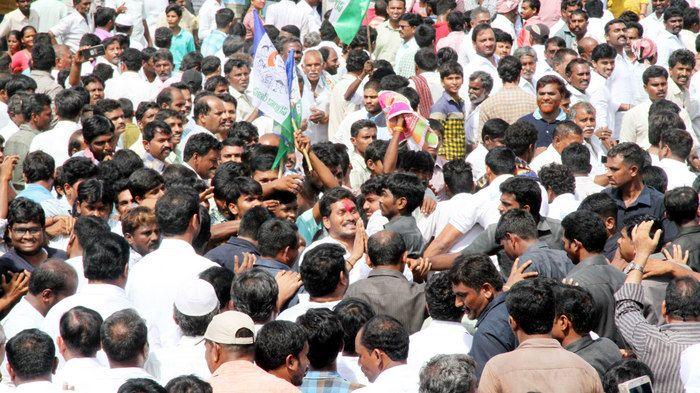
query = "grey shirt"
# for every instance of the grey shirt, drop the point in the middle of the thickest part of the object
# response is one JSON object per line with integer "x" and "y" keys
{"x": 602, "y": 280}
{"x": 388, "y": 292}
{"x": 408, "y": 229}
{"x": 600, "y": 353}
{"x": 547, "y": 261}
{"x": 689, "y": 239}
{"x": 548, "y": 230}
{"x": 19, "y": 144}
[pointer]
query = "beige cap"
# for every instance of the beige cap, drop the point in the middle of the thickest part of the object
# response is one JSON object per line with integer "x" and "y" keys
{"x": 223, "y": 328}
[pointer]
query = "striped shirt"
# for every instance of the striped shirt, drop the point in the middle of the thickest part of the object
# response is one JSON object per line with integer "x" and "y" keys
{"x": 659, "y": 347}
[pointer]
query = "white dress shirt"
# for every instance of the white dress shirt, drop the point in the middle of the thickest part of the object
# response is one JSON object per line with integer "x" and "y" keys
{"x": 106, "y": 299}
{"x": 439, "y": 337}
{"x": 635, "y": 125}
{"x": 155, "y": 280}
{"x": 350, "y": 370}
{"x": 111, "y": 379}
{"x": 549, "y": 156}
{"x": 10, "y": 129}
{"x": 284, "y": 13}
{"x": 37, "y": 387}
{"x": 207, "y": 17}
{"x": 677, "y": 173}
{"x": 244, "y": 105}
{"x": 480, "y": 63}
{"x": 562, "y": 205}
{"x": 338, "y": 106}
{"x": 311, "y": 20}
{"x": 666, "y": 43}
{"x": 488, "y": 198}
{"x": 16, "y": 20}
{"x": 22, "y": 316}
{"x": 477, "y": 160}
{"x": 652, "y": 25}
{"x": 77, "y": 373}
{"x": 621, "y": 84}
{"x": 71, "y": 29}
{"x": 317, "y": 99}
{"x": 690, "y": 368}
{"x": 193, "y": 130}
{"x": 585, "y": 186}
{"x": 599, "y": 95}
{"x": 131, "y": 85}
{"x": 77, "y": 264}
{"x": 292, "y": 313}
{"x": 136, "y": 9}
{"x": 4, "y": 116}
{"x": 503, "y": 23}
{"x": 50, "y": 12}
{"x": 342, "y": 134}
{"x": 398, "y": 379}
{"x": 187, "y": 357}
{"x": 445, "y": 213}
{"x": 153, "y": 9}
{"x": 55, "y": 141}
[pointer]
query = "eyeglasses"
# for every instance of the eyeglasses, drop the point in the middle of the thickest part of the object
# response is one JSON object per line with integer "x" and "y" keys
{"x": 28, "y": 231}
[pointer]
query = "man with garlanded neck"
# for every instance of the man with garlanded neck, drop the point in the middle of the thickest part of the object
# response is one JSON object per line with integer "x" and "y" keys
{"x": 314, "y": 97}
{"x": 50, "y": 283}
{"x": 539, "y": 362}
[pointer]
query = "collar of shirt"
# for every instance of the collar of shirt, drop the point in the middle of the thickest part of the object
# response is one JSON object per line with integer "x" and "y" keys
{"x": 236, "y": 366}
{"x": 392, "y": 376}
{"x": 186, "y": 165}
{"x": 593, "y": 260}
{"x": 499, "y": 299}
{"x": 540, "y": 343}
{"x": 386, "y": 273}
{"x": 536, "y": 246}
{"x": 538, "y": 115}
{"x": 446, "y": 326}
{"x": 189, "y": 341}
{"x": 236, "y": 241}
{"x": 673, "y": 165}
{"x": 176, "y": 245}
{"x": 459, "y": 103}
{"x": 102, "y": 289}
{"x": 644, "y": 198}
{"x": 271, "y": 263}
{"x": 565, "y": 198}
{"x": 313, "y": 374}
{"x": 386, "y": 25}
{"x": 39, "y": 190}
{"x": 580, "y": 344}
{"x": 688, "y": 230}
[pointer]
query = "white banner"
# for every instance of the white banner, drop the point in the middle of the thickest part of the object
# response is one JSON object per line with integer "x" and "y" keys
{"x": 268, "y": 81}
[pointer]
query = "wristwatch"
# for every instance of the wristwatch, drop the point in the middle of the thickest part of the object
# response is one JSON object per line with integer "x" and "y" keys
{"x": 633, "y": 266}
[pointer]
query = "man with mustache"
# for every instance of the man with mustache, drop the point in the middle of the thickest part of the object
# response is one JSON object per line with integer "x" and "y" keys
{"x": 315, "y": 96}
{"x": 550, "y": 90}
{"x": 578, "y": 76}
{"x": 156, "y": 142}
{"x": 668, "y": 40}
{"x": 680, "y": 69}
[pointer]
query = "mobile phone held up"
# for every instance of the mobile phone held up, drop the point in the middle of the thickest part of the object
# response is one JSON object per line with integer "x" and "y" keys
{"x": 93, "y": 52}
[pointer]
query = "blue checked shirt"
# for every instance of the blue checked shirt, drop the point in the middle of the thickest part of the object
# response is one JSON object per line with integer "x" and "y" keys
{"x": 213, "y": 42}
{"x": 325, "y": 382}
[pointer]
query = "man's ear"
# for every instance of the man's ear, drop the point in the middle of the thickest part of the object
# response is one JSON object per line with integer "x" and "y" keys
{"x": 291, "y": 362}
{"x": 634, "y": 171}
{"x": 401, "y": 203}
{"x": 326, "y": 222}
{"x": 610, "y": 222}
{"x": 526, "y": 208}
{"x": 512, "y": 323}
{"x": 233, "y": 209}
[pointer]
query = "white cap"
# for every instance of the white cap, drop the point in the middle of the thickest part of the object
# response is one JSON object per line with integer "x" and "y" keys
{"x": 224, "y": 328}
{"x": 124, "y": 20}
{"x": 195, "y": 298}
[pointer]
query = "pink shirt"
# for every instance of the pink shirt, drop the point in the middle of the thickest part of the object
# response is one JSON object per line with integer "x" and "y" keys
{"x": 452, "y": 40}
{"x": 550, "y": 12}
{"x": 248, "y": 23}
{"x": 102, "y": 33}
{"x": 240, "y": 376}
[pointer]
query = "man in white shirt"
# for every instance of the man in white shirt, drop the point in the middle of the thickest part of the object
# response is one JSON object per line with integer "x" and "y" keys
{"x": 566, "y": 133}
{"x": 154, "y": 281}
{"x": 105, "y": 263}
{"x": 68, "y": 106}
{"x": 284, "y": 13}
{"x": 128, "y": 83}
{"x": 668, "y": 41}
{"x": 491, "y": 136}
{"x": 578, "y": 76}
{"x": 680, "y": 68}
{"x": 209, "y": 118}
{"x": 141, "y": 33}
{"x": 383, "y": 345}
{"x": 78, "y": 344}
{"x": 528, "y": 62}
{"x": 51, "y": 11}
{"x": 603, "y": 61}
{"x": 560, "y": 185}
{"x": 72, "y": 27}
{"x": 371, "y": 110}
{"x": 676, "y": 145}
{"x": 31, "y": 362}
{"x": 654, "y": 22}
{"x": 195, "y": 306}
{"x": 125, "y": 342}
{"x": 325, "y": 279}
{"x": 14, "y": 116}
{"x": 207, "y": 17}
{"x": 311, "y": 20}
{"x": 50, "y": 283}
{"x": 362, "y": 134}
{"x": 635, "y": 123}
{"x": 358, "y": 67}
{"x": 86, "y": 230}
{"x": 237, "y": 73}
{"x": 484, "y": 41}
{"x": 621, "y": 81}
{"x": 315, "y": 96}
{"x": 576, "y": 157}
{"x": 445, "y": 334}
{"x": 23, "y": 16}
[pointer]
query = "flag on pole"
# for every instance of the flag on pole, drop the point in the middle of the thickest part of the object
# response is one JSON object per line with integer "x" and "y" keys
{"x": 269, "y": 82}
{"x": 346, "y": 17}
{"x": 292, "y": 122}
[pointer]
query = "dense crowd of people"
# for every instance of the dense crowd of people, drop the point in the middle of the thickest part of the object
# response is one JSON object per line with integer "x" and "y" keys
{"x": 528, "y": 222}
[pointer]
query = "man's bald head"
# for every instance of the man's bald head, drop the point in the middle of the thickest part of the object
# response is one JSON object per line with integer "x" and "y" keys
{"x": 386, "y": 248}
{"x": 585, "y": 47}
{"x": 269, "y": 140}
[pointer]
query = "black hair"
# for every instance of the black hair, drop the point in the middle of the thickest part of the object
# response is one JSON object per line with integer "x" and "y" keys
{"x": 446, "y": 55}
{"x": 332, "y": 196}
{"x": 682, "y": 56}
{"x": 88, "y": 229}
{"x": 654, "y": 72}
{"x": 558, "y": 178}
{"x": 655, "y": 177}
{"x": 424, "y": 36}
{"x": 77, "y": 168}
{"x": 321, "y": 269}
{"x": 681, "y": 205}
{"x": 406, "y": 185}
{"x": 603, "y": 51}
{"x": 34, "y": 105}
{"x": 588, "y": 228}
{"x": 386, "y": 334}
{"x": 577, "y": 305}
{"x": 325, "y": 336}
{"x": 353, "y": 314}
{"x": 38, "y": 166}
{"x": 458, "y": 176}
{"x": 425, "y": 59}
{"x": 501, "y": 160}
{"x": 672, "y": 12}
{"x": 509, "y": 68}
{"x": 516, "y": 222}
{"x": 244, "y": 130}
{"x": 175, "y": 209}
{"x": 23, "y": 211}
{"x": 660, "y": 120}
{"x": 106, "y": 259}
{"x": 385, "y": 248}
{"x": 526, "y": 192}
{"x": 360, "y": 124}
{"x": 254, "y": 293}
{"x": 96, "y": 126}
{"x": 144, "y": 180}
{"x": 415, "y": 162}
{"x": 213, "y": 82}
{"x": 200, "y": 144}
{"x": 682, "y": 296}
{"x": 132, "y": 59}
{"x": 441, "y": 300}
{"x": 275, "y": 341}
{"x": 31, "y": 354}
{"x": 531, "y": 304}
{"x": 141, "y": 385}
{"x": 55, "y": 275}
{"x": 520, "y": 136}
{"x": 494, "y": 129}
{"x": 275, "y": 235}
{"x": 393, "y": 82}
{"x": 18, "y": 83}
{"x": 678, "y": 141}
{"x": 123, "y": 336}
{"x": 623, "y": 371}
{"x": 79, "y": 328}
{"x": 478, "y": 29}
{"x": 577, "y": 158}
{"x": 450, "y": 68}
{"x": 376, "y": 150}
{"x": 220, "y": 278}
{"x": 43, "y": 57}
{"x": 103, "y": 72}
{"x": 92, "y": 191}
{"x": 630, "y": 222}
{"x": 188, "y": 384}
{"x": 356, "y": 60}
{"x": 252, "y": 220}
{"x": 630, "y": 153}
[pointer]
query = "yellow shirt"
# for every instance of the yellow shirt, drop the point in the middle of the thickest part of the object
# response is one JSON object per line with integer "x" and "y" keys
{"x": 617, "y": 7}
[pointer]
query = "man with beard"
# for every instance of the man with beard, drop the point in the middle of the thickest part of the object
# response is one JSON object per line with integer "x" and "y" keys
{"x": 370, "y": 111}
{"x": 578, "y": 76}
{"x": 156, "y": 142}
{"x": 330, "y": 60}
{"x": 584, "y": 115}
{"x": 141, "y": 231}
{"x": 576, "y": 28}
{"x": 484, "y": 40}
{"x": 668, "y": 40}
{"x": 314, "y": 97}
{"x": 163, "y": 66}
{"x": 528, "y": 63}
